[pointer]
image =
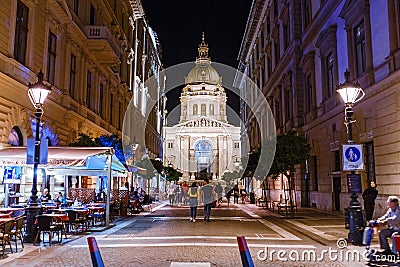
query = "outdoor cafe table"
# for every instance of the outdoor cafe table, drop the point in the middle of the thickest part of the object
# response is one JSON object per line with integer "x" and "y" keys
{"x": 58, "y": 216}
{"x": 11, "y": 211}
{"x": 8, "y": 210}
{"x": 84, "y": 211}
{"x": 96, "y": 209}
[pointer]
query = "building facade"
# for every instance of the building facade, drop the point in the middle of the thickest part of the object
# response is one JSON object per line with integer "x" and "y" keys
{"x": 296, "y": 52}
{"x": 203, "y": 144}
{"x": 96, "y": 55}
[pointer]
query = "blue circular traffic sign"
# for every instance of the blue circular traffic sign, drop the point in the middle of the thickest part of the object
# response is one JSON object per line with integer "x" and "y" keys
{"x": 352, "y": 154}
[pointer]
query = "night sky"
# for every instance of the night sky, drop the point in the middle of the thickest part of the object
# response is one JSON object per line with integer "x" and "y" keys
{"x": 180, "y": 23}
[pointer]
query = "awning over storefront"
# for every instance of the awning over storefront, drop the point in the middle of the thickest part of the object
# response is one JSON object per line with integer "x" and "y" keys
{"x": 81, "y": 161}
{"x": 136, "y": 169}
{"x": 68, "y": 160}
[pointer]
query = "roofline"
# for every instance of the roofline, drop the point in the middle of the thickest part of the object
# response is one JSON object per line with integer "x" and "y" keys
{"x": 251, "y": 25}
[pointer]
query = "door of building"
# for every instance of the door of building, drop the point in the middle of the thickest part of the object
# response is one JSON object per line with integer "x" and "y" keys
{"x": 336, "y": 192}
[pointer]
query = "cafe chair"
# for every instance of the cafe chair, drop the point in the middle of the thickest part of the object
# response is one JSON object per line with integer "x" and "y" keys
{"x": 45, "y": 225}
{"x": 75, "y": 220}
{"x": 116, "y": 209}
{"x": 5, "y": 234}
{"x": 17, "y": 232}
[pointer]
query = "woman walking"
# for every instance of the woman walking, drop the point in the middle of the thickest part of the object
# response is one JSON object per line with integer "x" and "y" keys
{"x": 369, "y": 197}
{"x": 193, "y": 202}
{"x": 171, "y": 195}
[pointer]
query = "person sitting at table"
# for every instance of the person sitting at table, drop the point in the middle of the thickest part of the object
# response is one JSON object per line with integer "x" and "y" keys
{"x": 146, "y": 199}
{"x": 135, "y": 195}
{"x": 45, "y": 196}
{"x": 61, "y": 200}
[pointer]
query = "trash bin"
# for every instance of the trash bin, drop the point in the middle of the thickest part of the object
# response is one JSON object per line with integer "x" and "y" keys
{"x": 252, "y": 198}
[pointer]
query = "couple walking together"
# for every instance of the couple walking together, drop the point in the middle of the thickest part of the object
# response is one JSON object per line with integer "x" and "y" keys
{"x": 207, "y": 196}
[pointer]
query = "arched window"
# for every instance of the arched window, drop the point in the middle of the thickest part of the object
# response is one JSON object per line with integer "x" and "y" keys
{"x": 211, "y": 109}
{"x": 203, "y": 109}
{"x": 195, "y": 109}
{"x": 15, "y": 137}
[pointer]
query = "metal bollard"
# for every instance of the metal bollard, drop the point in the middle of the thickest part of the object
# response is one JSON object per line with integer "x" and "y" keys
{"x": 356, "y": 220}
{"x": 244, "y": 252}
{"x": 97, "y": 261}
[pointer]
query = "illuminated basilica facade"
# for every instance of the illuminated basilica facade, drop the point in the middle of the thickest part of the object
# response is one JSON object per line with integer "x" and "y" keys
{"x": 203, "y": 144}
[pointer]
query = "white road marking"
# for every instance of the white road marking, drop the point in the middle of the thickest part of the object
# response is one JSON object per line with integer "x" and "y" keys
{"x": 249, "y": 212}
{"x": 190, "y": 237}
{"x": 190, "y": 264}
{"x": 330, "y": 226}
{"x": 195, "y": 244}
{"x": 279, "y": 230}
{"x": 212, "y": 218}
{"x": 158, "y": 208}
{"x": 313, "y": 230}
{"x": 282, "y": 232}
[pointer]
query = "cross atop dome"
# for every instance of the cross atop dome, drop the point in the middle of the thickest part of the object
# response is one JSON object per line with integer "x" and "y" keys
{"x": 203, "y": 49}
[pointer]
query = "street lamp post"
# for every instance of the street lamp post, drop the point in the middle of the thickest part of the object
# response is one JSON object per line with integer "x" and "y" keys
{"x": 37, "y": 93}
{"x": 352, "y": 93}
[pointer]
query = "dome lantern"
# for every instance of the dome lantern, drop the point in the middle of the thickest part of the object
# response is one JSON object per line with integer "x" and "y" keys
{"x": 203, "y": 72}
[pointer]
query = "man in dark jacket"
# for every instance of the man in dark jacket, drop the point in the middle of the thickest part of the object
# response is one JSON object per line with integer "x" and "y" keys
{"x": 208, "y": 198}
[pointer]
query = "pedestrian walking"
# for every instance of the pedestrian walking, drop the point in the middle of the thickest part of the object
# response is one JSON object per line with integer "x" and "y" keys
{"x": 218, "y": 190}
{"x": 208, "y": 198}
{"x": 171, "y": 195}
{"x": 228, "y": 196}
{"x": 185, "y": 189}
{"x": 193, "y": 193}
{"x": 243, "y": 195}
{"x": 177, "y": 194}
{"x": 236, "y": 194}
{"x": 369, "y": 197}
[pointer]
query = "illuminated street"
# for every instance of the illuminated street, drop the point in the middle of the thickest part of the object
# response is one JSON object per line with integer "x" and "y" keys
{"x": 166, "y": 236}
{"x": 120, "y": 118}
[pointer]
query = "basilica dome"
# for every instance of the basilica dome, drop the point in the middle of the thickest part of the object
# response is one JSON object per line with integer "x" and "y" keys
{"x": 203, "y": 72}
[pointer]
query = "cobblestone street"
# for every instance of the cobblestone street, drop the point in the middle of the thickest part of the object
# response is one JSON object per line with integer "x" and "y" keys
{"x": 166, "y": 236}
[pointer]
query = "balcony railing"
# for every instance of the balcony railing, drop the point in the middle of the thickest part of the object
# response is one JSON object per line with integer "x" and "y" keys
{"x": 102, "y": 33}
